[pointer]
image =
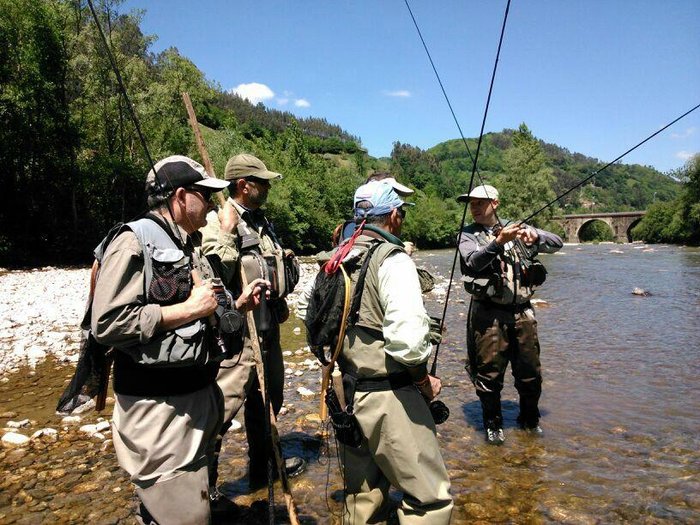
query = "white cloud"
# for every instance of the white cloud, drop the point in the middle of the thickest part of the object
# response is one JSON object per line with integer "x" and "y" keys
{"x": 401, "y": 93}
{"x": 254, "y": 92}
{"x": 282, "y": 101}
{"x": 684, "y": 155}
{"x": 687, "y": 133}
{"x": 302, "y": 103}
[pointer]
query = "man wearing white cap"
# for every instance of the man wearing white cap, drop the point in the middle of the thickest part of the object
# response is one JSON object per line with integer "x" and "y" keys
{"x": 384, "y": 366}
{"x": 500, "y": 272}
{"x": 153, "y": 295}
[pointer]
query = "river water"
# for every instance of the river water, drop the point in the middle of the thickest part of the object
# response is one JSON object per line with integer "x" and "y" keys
{"x": 620, "y": 413}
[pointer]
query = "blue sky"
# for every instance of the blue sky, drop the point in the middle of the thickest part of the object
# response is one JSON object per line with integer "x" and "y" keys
{"x": 594, "y": 76}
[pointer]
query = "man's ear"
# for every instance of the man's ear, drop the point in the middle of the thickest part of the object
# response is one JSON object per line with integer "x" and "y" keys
{"x": 240, "y": 185}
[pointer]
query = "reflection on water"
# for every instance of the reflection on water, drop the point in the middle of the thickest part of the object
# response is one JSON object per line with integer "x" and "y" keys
{"x": 620, "y": 412}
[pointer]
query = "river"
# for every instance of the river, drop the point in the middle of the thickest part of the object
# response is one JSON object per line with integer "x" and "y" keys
{"x": 620, "y": 413}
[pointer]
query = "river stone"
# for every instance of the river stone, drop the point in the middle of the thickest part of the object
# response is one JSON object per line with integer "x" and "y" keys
{"x": 70, "y": 420}
{"x": 8, "y": 415}
{"x": 86, "y": 486}
{"x": 305, "y": 392}
{"x": 14, "y": 439}
{"x": 49, "y": 434}
{"x": 641, "y": 292}
{"x": 18, "y": 424}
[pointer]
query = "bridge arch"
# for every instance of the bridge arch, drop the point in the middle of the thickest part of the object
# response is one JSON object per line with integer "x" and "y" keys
{"x": 611, "y": 226}
{"x": 620, "y": 223}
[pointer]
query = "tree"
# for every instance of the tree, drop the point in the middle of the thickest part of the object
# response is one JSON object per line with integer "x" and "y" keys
{"x": 527, "y": 182}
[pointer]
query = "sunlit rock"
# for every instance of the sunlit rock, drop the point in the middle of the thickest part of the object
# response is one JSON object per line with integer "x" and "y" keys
{"x": 14, "y": 439}
{"x": 305, "y": 392}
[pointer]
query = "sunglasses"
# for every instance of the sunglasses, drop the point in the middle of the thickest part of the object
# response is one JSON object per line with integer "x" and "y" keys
{"x": 257, "y": 180}
{"x": 205, "y": 193}
{"x": 401, "y": 212}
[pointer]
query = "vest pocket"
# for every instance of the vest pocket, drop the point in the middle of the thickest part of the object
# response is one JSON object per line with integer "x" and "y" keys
{"x": 171, "y": 279}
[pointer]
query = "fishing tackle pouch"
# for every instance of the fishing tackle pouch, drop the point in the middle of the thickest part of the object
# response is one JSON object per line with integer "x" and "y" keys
{"x": 281, "y": 269}
{"x": 483, "y": 287}
{"x": 347, "y": 428}
{"x": 532, "y": 272}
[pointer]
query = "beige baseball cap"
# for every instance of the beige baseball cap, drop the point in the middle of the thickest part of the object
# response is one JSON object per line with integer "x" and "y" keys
{"x": 246, "y": 165}
{"x": 480, "y": 192}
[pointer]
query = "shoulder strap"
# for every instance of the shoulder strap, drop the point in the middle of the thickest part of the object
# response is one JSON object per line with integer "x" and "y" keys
{"x": 359, "y": 287}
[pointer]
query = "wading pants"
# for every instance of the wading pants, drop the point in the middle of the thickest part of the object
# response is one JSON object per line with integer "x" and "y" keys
{"x": 238, "y": 381}
{"x": 497, "y": 336}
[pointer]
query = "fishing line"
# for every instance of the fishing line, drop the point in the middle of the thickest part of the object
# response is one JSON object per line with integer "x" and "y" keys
{"x": 135, "y": 120}
{"x": 579, "y": 184}
{"x": 474, "y": 159}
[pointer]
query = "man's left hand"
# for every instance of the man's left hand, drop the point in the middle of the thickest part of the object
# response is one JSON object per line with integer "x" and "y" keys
{"x": 528, "y": 235}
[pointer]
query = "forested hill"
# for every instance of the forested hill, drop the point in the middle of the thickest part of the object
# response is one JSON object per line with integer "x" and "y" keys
{"x": 621, "y": 187}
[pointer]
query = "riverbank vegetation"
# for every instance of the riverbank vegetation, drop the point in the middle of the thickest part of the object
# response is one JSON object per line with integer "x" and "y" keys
{"x": 73, "y": 164}
{"x": 677, "y": 221}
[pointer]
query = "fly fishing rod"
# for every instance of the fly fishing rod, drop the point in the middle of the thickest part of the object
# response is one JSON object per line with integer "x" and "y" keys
{"x": 474, "y": 159}
{"x": 583, "y": 181}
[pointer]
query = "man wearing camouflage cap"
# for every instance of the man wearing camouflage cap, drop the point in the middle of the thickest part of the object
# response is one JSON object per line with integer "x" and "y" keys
{"x": 242, "y": 239}
{"x": 496, "y": 261}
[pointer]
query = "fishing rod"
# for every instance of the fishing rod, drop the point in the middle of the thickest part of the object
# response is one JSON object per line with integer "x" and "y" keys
{"x": 474, "y": 159}
{"x": 134, "y": 118}
{"x": 583, "y": 181}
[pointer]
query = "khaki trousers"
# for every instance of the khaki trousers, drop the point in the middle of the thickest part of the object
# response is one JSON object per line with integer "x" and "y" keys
{"x": 400, "y": 449}
{"x": 238, "y": 381}
{"x": 165, "y": 444}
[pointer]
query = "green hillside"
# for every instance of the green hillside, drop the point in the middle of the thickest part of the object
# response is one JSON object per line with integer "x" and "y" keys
{"x": 621, "y": 187}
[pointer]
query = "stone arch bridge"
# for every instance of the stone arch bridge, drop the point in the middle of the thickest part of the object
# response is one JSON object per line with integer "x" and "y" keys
{"x": 620, "y": 223}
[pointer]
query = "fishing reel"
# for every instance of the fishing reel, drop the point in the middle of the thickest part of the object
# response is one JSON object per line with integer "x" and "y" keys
{"x": 439, "y": 411}
{"x": 229, "y": 320}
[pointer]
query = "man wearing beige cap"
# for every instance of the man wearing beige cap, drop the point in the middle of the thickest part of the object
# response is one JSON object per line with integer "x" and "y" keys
{"x": 500, "y": 272}
{"x": 243, "y": 241}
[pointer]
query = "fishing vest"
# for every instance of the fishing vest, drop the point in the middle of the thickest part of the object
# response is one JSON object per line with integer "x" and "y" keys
{"x": 363, "y": 349}
{"x": 167, "y": 280}
{"x": 262, "y": 256}
{"x": 500, "y": 282}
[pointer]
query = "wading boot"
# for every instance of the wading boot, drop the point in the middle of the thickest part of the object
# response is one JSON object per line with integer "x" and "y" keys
{"x": 495, "y": 436}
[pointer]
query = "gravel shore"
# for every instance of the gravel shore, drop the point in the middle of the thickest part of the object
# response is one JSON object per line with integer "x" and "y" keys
{"x": 41, "y": 310}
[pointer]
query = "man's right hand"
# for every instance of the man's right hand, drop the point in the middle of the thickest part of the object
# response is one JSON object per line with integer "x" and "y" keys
{"x": 228, "y": 217}
{"x": 508, "y": 233}
{"x": 202, "y": 299}
{"x": 431, "y": 388}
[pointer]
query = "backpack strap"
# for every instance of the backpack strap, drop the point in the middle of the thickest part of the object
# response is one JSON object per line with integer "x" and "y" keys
{"x": 359, "y": 287}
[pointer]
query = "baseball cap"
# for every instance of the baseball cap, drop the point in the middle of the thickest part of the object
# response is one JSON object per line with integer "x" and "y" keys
{"x": 380, "y": 195}
{"x": 385, "y": 176}
{"x": 480, "y": 192}
{"x": 178, "y": 171}
{"x": 245, "y": 165}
